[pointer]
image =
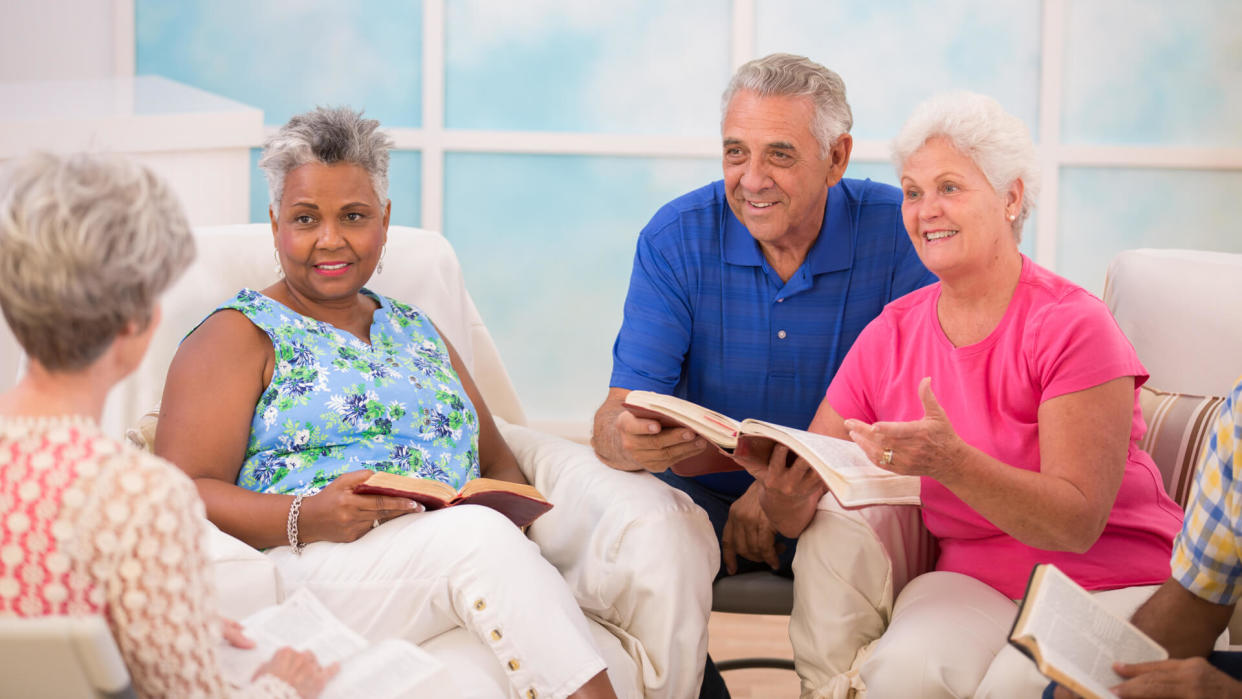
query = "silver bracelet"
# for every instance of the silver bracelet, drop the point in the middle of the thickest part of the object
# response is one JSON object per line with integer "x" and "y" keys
{"x": 291, "y": 527}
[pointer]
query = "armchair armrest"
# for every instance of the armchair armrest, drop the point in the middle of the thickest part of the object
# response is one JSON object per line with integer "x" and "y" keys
{"x": 639, "y": 556}
{"x": 246, "y": 581}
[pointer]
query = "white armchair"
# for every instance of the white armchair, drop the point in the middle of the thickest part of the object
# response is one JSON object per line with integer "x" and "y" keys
{"x": 638, "y": 555}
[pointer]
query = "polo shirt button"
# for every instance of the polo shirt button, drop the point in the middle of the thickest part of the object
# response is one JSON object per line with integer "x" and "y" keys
{"x": 780, "y": 300}
{"x": 781, "y": 334}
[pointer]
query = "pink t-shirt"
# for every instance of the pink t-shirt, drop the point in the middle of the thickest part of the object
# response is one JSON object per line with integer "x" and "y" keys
{"x": 1055, "y": 338}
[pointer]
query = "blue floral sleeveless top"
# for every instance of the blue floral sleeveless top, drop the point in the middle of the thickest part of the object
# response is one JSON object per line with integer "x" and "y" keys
{"x": 336, "y": 404}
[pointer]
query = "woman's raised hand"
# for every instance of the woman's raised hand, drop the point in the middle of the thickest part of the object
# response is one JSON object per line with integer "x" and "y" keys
{"x": 925, "y": 447}
{"x": 300, "y": 670}
{"x": 337, "y": 513}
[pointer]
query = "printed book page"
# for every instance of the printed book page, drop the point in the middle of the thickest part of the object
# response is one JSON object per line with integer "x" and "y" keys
{"x": 391, "y": 668}
{"x": 844, "y": 466}
{"x": 1076, "y": 635}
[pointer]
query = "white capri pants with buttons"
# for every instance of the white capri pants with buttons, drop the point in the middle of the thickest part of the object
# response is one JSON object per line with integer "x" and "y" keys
{"x": 949, "y": 637}
{"x": 419, "y": 575}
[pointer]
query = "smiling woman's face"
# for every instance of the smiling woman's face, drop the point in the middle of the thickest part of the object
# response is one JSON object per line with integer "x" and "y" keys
{"x": 329, "y": 230}
{"x": 955, "y": 219}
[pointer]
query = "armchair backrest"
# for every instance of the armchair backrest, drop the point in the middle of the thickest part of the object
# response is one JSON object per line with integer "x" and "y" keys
{"x": 1181, "y": 309}
{"x": 1178, "y": 307}
{"x": 59, "y": 656}
{"x": 420, "y": 268}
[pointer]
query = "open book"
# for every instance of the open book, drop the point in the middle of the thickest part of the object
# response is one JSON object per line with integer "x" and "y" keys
{"x": 843, "y": 466}
{"x": 517, "y": 501}
{"x": 390, "y": 668}
{"x": 1072, "y": 638}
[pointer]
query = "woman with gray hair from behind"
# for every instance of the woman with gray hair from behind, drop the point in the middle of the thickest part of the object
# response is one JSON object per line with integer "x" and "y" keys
{"x": 1013, "y": 394}
{"x": 91, "y": 526}
{"x": 316, "y": 382}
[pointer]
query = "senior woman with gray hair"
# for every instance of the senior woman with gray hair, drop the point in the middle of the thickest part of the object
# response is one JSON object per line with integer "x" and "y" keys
{"x": 1014, "y": 395}
{"x": 91, "y": 526}
{"x": 315, "y": 382}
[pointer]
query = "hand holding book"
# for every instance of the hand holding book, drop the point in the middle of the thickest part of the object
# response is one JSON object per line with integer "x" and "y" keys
{"x": 841, "y": 464}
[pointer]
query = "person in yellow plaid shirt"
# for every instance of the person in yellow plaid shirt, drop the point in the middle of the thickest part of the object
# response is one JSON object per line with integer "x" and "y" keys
{"x": 1193, "y": 607}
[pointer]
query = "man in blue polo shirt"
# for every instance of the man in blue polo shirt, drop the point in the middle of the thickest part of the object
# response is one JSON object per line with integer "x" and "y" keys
{"x": 747, "y": 293}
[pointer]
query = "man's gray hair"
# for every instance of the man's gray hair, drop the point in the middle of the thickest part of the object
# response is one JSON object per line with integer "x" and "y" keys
{"x": 327, "y": 135}
{"x": 87, "y": 245}
{"x": 978, "y": 126}
{"x": 787, "y": 75}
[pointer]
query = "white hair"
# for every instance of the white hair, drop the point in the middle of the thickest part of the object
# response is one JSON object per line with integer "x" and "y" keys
{"x": 87, "y": 245}
{"x": 980, "y": 128}
{"x": 787, "y": 75}
{"x": 327, "y": 135}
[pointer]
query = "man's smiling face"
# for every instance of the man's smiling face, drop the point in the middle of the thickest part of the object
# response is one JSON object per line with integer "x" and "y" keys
{"x": 776, "y": 175}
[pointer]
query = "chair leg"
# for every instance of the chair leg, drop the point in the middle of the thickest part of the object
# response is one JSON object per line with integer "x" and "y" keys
{"x": 754, "y": 663}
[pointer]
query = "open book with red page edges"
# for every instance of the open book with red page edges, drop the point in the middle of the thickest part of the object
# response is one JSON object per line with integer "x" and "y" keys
{"x": 842, "y": 465}
{"x": 517, "y": 501}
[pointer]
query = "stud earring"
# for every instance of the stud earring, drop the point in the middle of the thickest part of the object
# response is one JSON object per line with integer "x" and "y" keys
{"x": 280, "y": 271}
{"x": 1013, "y": 217}
{"x": 379, "y": 268}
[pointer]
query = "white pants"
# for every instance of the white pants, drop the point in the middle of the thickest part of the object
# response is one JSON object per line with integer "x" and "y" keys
{"x": 847, "y": 567}
{"x": 949, "y": 638}
{"x": 946, "y": 635}
{"x": 420, "y": 575}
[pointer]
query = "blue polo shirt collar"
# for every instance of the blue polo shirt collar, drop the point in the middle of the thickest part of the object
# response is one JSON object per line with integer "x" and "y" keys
{"x": 832, "y": 251}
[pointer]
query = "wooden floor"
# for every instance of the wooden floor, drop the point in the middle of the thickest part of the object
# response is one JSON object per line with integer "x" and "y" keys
{"x": 748, "y": 636}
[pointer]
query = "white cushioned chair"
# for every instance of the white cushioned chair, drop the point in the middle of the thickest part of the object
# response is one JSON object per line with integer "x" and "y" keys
{"x": 613, "y": 535}
{"x": 60, "y": 658}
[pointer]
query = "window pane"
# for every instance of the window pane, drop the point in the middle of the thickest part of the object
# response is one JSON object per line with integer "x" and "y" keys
{"x": 1144, "y": 72}
{"x": 1105, "y": 211}
{"x": 546, "y": 243}
{"x": 289, "y": 56}
{"x": 893, "y": 54}
{"x": 642, "y": 66}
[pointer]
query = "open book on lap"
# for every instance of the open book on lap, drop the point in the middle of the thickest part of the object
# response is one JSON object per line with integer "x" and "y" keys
{"x": 843, "y": 466}
{"x": 389, "y": 668}
{"x": 517, "y": 501}
{"x": 1072, "y": 638}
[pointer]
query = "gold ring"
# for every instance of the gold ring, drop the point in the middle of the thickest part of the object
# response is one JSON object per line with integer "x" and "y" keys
{"x": 887, "y": 457}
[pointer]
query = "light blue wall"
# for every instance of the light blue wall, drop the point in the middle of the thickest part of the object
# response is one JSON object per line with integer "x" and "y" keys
{"x": 546, "y": 241}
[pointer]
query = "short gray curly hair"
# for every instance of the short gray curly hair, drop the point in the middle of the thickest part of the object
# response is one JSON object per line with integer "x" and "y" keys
{"x": 326, "y": 135}
{"x": 978, "y": 126}
{"x": 87, "y": 245}
{"x": 787, "y": 75}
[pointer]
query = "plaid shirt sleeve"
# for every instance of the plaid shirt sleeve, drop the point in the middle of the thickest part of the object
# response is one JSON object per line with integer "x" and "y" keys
{"x": 1207, "y": 556}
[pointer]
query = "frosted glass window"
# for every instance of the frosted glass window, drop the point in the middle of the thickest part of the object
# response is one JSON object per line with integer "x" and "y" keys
{"x": 405, "y": 174}
{"x": 642, "y": 66}
{"x": 1146, "y": 72}
{"x": 1105, "y": 211}
{"x": 893, "y": 54}
{"x": 546, "y": 244}
{"x": 288, "y": 56}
